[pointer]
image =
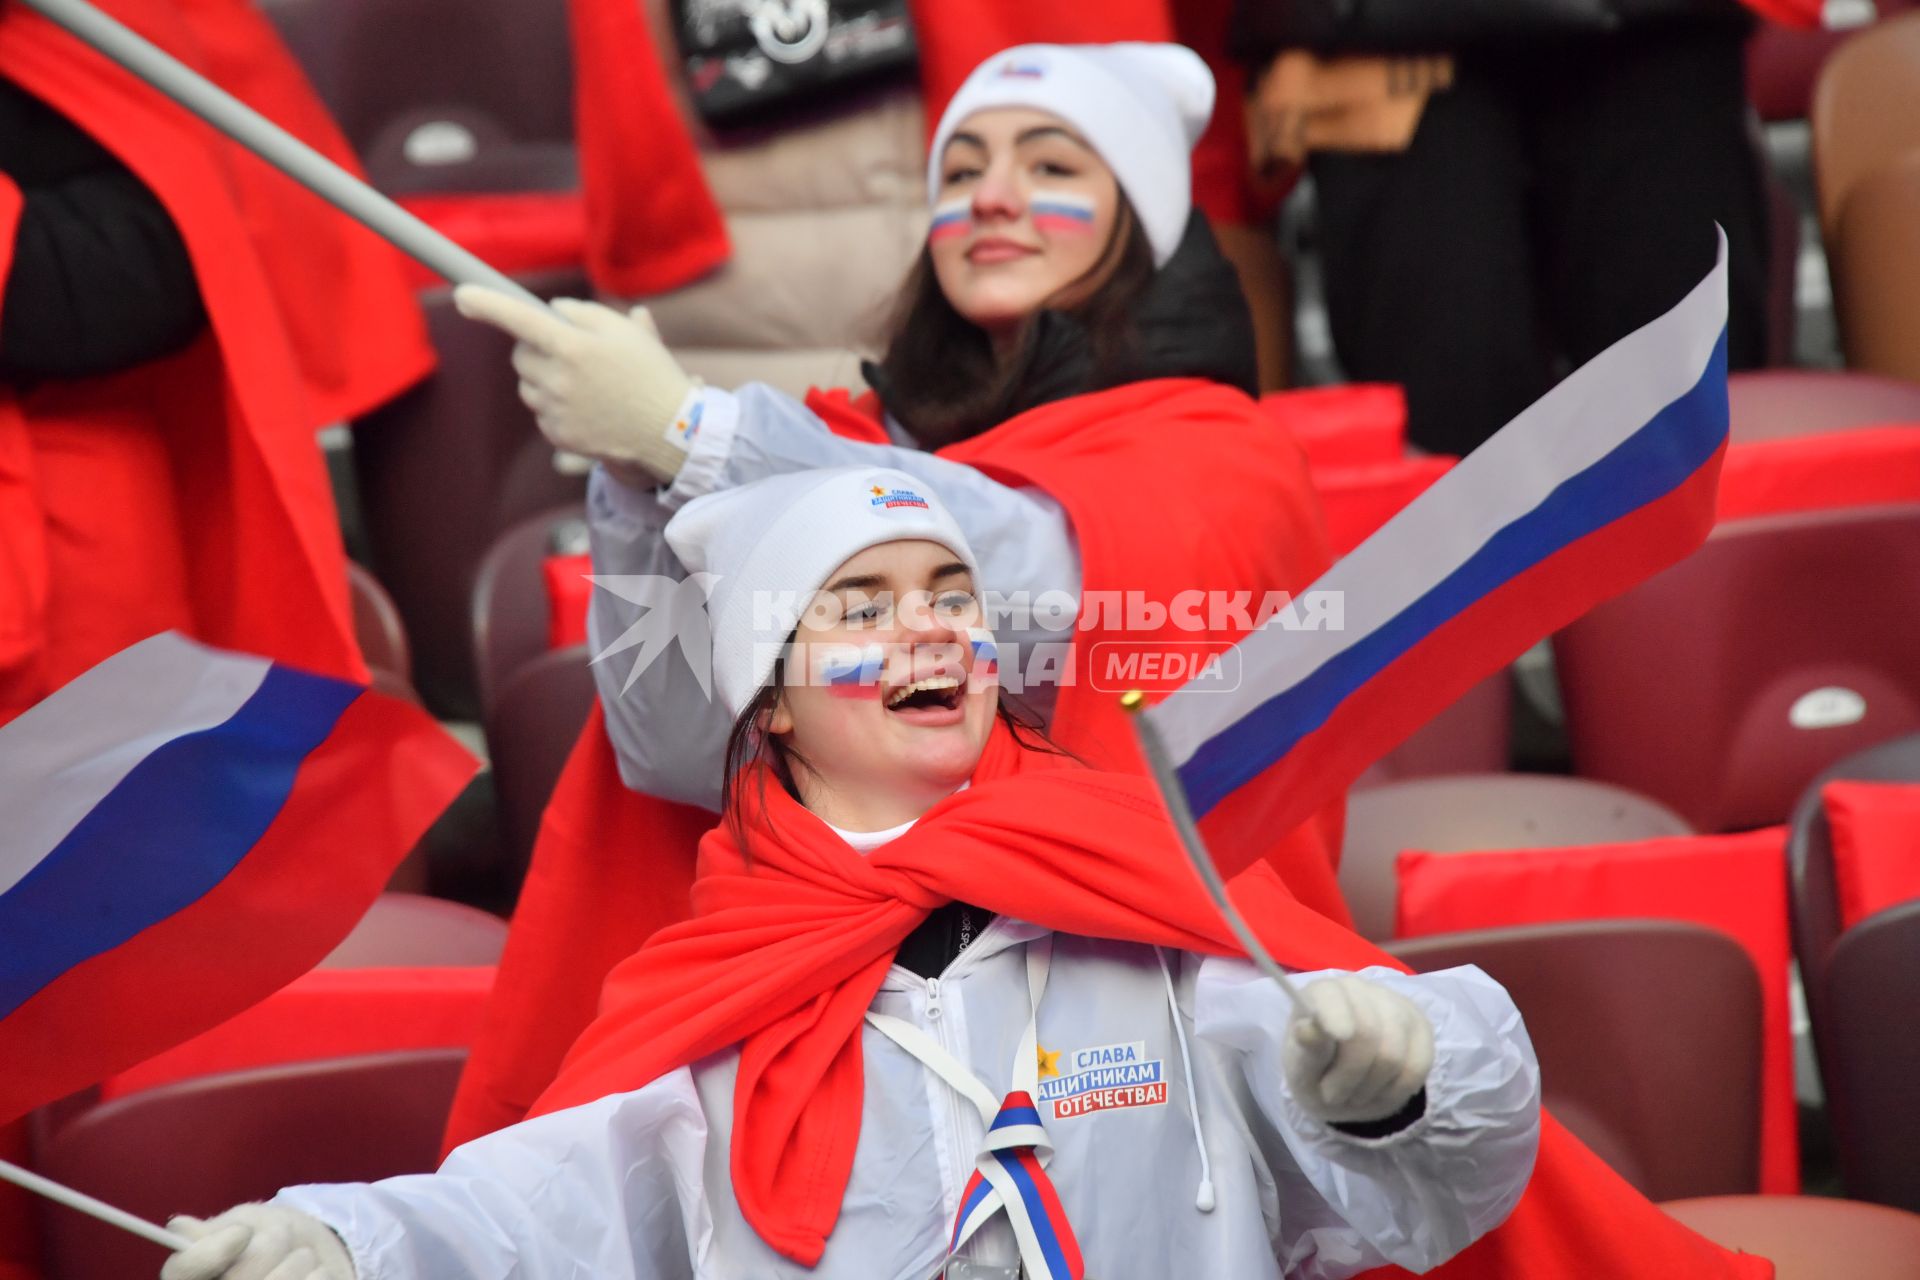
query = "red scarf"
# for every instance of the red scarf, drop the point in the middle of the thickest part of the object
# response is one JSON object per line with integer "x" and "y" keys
{"x": 1171, "y": 485}
{"x": 785, "y": 953}
{"x": 309, "y": 321}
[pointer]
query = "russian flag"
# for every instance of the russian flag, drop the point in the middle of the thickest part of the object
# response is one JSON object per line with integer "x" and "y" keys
{"x": 1604, "y": 481}
{"x": 187, "y": 830}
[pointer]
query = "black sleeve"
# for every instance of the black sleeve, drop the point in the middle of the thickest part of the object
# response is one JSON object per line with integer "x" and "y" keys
{"x": 101, "y": 280}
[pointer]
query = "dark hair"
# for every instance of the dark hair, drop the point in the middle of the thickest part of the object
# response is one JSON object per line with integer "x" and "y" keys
{"x": 746, "y": 745}
{"x": 945, "y": 382}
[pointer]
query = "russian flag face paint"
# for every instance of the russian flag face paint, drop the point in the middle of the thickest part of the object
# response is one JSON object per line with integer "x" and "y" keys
{"x": 952, "y": 219}
{"x": 986, "y": 656}
{"x": 1061, "y": 213}
{"x": 848, "y": 672}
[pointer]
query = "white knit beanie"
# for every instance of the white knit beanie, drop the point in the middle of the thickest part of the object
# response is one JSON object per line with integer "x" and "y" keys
{"x": 773, "y": 543}
{"x": 1141, "y": 106}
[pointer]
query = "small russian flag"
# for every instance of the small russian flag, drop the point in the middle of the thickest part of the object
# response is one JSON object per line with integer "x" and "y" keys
{"x": 188, "y": 830}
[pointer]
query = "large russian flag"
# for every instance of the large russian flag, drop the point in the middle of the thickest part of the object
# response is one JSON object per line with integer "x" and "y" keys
{"x": 1604, "y": 481}
{"x": 185, "y": 831}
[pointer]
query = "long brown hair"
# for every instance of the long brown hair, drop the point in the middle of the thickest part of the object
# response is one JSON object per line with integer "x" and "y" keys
{"x": 943, "y": 378}
{"x": 747, "y": 745}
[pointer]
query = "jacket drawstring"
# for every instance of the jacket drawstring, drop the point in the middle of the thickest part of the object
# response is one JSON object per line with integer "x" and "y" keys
{"x": 1203, "y": 1195}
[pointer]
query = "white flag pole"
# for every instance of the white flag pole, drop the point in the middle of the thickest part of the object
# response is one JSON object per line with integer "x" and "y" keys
{"x": 274, "y": 145}
{"x": 1167, "y": 778}
{"x": 93, "y": 1208}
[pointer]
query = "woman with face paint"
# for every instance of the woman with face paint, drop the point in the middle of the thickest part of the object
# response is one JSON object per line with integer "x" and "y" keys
{"x": 810, "y": 1079}
{"x": 1070, "y": 361}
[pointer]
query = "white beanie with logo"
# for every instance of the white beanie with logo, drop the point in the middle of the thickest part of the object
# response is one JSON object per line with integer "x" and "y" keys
{"x": 772, "y": 545}
{"x": 1141, "y": 106}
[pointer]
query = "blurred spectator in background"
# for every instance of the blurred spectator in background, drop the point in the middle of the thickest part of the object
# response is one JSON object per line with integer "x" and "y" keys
{"x": 178, "y": 322}
{"x": 1506, "y": 186}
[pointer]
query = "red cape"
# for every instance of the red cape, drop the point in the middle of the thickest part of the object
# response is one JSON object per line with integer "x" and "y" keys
{"x": 310, "y": 322}
{"x": 1042, "y": 840}
{"x": 1172, "y": 485}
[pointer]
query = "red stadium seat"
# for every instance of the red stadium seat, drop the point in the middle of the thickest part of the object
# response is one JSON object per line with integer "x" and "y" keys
{"x": 1474, "y": 812}
{"x": 1773, "y": 404}
{"x": 512, "y": 609}
{"x": 1811, "y": 1237}
{"x": 442, "y": 471}
{"x": 1866, "y": 111}
{"x": 1876, "y": 1129}
{"x": 1722, "y": 686}
{"x": 1783, "y": 63}
{"x": 411, "y": 930}
{"x": 443, "y": 95}
{"x": 531, "y": 728}
{"x": 377, "y": 627}
{"x": 199, "y": 1146}
{"x": 1648, "y": 1034}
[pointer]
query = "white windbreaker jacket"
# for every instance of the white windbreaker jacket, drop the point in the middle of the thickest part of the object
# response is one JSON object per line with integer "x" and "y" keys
{"x": 636, "y": 1187}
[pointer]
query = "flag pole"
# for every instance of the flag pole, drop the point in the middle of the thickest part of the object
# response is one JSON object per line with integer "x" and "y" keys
{"x": 275, "y": 145}
{"x": 93, "y": 1208}
{"x": 1167, "y": 779}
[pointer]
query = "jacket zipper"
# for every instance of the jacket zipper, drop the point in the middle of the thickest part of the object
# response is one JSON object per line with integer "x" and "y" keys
{"x": 961, "y": 1145}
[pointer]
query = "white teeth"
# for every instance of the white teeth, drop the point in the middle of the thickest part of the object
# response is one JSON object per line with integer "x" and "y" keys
{"x": 901, "y": 694}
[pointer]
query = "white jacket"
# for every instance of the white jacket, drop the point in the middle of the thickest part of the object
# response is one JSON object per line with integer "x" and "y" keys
{"x": 636, "y": 1187}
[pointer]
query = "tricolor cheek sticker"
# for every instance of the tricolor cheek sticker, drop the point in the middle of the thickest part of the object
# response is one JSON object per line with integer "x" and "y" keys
{"x": 847, "y": 672}
{"x": 986, "y": 660}
{"x": 951, "y": 220}
{"x": 1061, "y": 213}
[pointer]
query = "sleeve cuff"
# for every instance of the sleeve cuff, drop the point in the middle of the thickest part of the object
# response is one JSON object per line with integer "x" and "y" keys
{"x": 711, "y": 417}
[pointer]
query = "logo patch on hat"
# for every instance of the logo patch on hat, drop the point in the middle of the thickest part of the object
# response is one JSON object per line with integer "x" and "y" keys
{"x": 1014, "y": 69}
{"x": 888, "y": 499}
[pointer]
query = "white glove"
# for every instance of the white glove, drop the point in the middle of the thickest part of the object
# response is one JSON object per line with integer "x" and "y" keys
{"x": 599, "y": 383}
{"x": 1364, "y": 1059}
{"x": 258, "y": 1242}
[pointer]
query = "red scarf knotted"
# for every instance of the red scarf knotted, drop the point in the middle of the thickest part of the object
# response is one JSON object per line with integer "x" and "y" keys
{"x": 787, "y": 949}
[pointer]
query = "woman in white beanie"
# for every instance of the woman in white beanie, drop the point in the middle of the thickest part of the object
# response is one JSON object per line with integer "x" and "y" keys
{"x": 950, "y": 1003}
{"x": 1071, "y": 363}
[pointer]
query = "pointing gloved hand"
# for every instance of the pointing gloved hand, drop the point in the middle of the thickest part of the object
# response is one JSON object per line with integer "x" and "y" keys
{"x": 599, "y": 383}
{"x": 1364, "y": 1059}
{"x": 258, "y": 1242}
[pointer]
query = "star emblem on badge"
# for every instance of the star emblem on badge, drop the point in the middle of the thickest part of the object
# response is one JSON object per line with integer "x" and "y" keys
{"x": 1049, "y": 1062}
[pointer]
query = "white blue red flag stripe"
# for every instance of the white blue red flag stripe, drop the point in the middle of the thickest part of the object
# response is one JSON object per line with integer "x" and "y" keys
{"x": 188, "y": 830}
{"x": 1608, "y": 478}
{"x": 1011, "y": 1176}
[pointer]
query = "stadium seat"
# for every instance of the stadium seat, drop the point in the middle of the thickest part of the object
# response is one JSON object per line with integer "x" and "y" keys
{"x": 415, "y": 931}
{"x": 1783, "y": 62}
{"x": 1866, "y": 111}
{"x": 1648, "y": 1034}
{"x": 1875, "y": 259}
{"x": 1811, "y": 1237}
{"x": 443, "y": 95}
{"x": 511, "y": 607}
{"x": 377, "y": 627}
{"x": 1852, "y": 979}
{"x": 1774, "y": 404}
{"x": 1479, "y": 811}
{"x": 1474, "y": 735}
{"x": 1723, "y": 685}
{"x": 198, "y": 1146}
{"x": 442, "y": 471}
{"x": 531, "y": 727}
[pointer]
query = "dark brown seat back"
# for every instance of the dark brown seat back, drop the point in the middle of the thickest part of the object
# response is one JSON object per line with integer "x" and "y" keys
{"x": 442, "y": 471}
{"x": 1479, "y": 811}
{"x": 531, "y": 728}
{"x": 1872, "y": 1069}
{"x": 511, "y": 609}
{"x": 377, "y": 626}
{"x": 1648, "y": 1035}
{"x": 1474, "y": 735}
{"x": 1723, "y": 685}
{"x": 203, "y": 1145}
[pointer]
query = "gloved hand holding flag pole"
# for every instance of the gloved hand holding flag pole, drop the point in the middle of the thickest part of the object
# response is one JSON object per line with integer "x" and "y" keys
{"x": 275, "y": 145}
{"x": 1607, "y": 479}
